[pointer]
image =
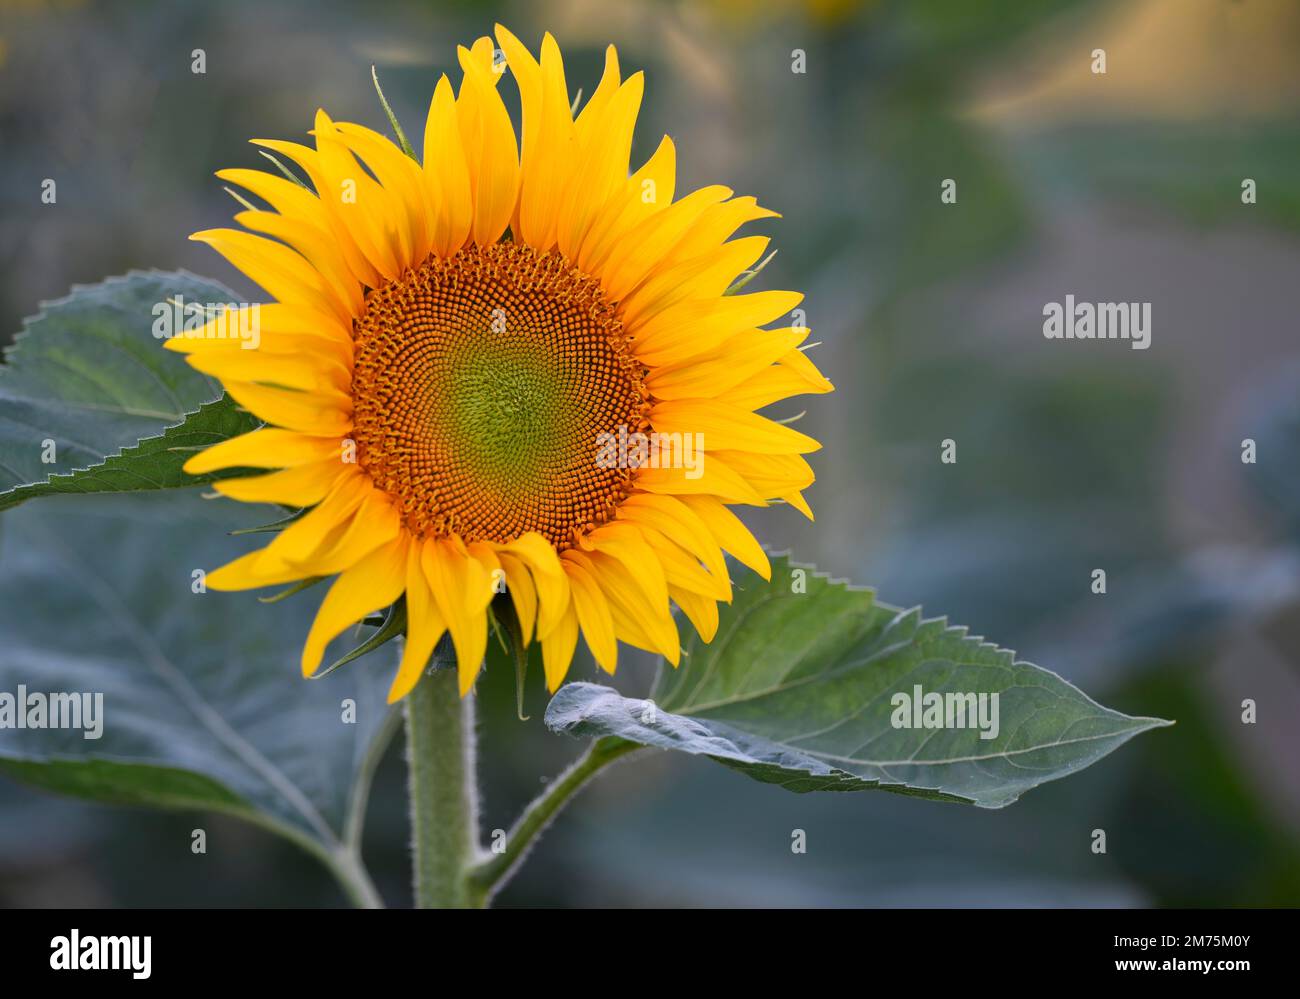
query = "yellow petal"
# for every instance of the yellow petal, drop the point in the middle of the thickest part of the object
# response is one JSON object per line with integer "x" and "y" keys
{"x": 639, "y": 621}
{"x": 491, "y": 150}
{"x": 458, "y": 583}
{"x": 698, "y": 327}
{"x": 705, "y": 276}
{"x": 424, "y": 626}
{"x": 325, "y": 414}
{"x": 322, "y": 252}
{"x": 710, "y": 478}
{"x": 322, "y": 527}
{"x": 603, "y": 144}
{"x": 557, "y": 648}
{"x": 593, "y": 615}
{"x": 738, "y": 359}
{"x": 661, "y": 170}
{"x": 270, "y": 327}
{"x": 590, "y": 118}
{"x": 685, "y": 573}
{"x": 799, "y": 362}
{"x": 674, "y": 519}
{"x": 548, "y": 577}
{"x": 781, "y": 381}
{"x": 303, "y": 485}
{"x": 285, "y": 274}
{"x": 446, "y": 173}
{"x": 727, "y": 428}
{"x": 648, "y": 191}
{"x": 769, "y": 474}
{"x": 372, "y": 584}
{"x": 286, "y": 197}
{"x": 370, "y": 214}
{"x": 626, "y": 543}
{"x": 266, "y": 448}
{"x": 482, "y": 54}
{"x": 305, "y": 372}
{"x": 486, "y": 556}
{"x": 719, "y": 224}
{"x": 253, "y": 571}
{"x": 628, "y": 626}
{"x": 796, "y": 500}
{"x": 733, "y": 535}
{"x": 356, "y": 255}
{"x": 402, "y": 178}
{"x": 646, "y": 247}
{"x": 230, "y": 329}
{"x": 519, "y": 584}
{"x": 549, "y": 140}
{"x": 375, "y": 523}
{"x": 701, "y": 611}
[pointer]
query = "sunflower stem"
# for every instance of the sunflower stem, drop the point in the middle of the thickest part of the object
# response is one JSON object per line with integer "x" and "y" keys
{"x": 443, "y": 789}
{"x": 490, "y": 875}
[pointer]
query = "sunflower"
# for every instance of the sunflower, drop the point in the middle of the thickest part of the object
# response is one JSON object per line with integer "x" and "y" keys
{"x": 451, "y": 341}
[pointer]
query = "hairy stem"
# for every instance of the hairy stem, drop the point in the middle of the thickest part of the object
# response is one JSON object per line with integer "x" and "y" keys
{"x": 443, "y": 789}
{"x": 352, "y": 876}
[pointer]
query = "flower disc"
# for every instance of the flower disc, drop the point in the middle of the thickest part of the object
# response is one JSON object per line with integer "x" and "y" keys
{"x": 481, "y": 385}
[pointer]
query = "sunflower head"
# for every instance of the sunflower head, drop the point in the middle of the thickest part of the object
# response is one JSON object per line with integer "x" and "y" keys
{"x": 512, "y": 364}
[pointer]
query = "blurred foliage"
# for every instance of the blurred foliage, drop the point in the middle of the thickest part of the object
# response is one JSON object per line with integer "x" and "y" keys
{"x": 1204, "y": 815}
{"x": 1194, "y": 170}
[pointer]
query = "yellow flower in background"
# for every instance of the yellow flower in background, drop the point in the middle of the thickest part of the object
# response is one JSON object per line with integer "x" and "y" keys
{"x": 454, "y": 345}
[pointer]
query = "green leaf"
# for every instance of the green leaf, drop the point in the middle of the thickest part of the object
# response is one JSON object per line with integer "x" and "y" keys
{"x": 154, "y": 463}
{"x": 122, "y": 413}
{"x": 798, "y": 689}
{"x": 391, "y": 625}
{"x": 204, "y": 705}
{"x": 506, "y": 624}
{"x": 392, "y": 118}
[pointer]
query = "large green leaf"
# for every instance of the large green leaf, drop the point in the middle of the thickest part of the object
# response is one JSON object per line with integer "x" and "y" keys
{"x": 88, "y": 375}
{"x": 798, "y": 687}
{"x": 204, "y": 705}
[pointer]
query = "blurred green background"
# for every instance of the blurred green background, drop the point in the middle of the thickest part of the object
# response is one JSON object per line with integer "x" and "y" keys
{"x": 1071, "y": 455}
